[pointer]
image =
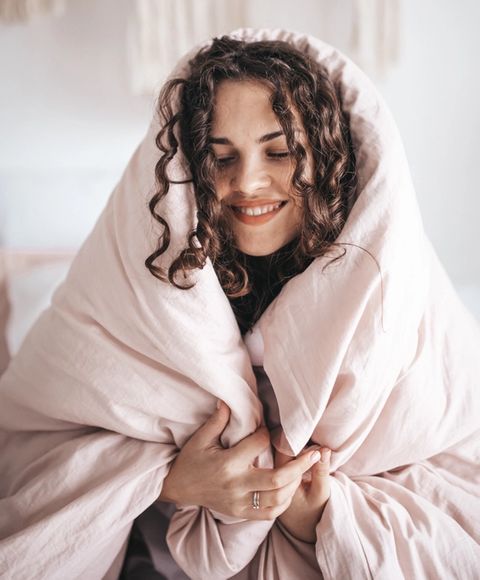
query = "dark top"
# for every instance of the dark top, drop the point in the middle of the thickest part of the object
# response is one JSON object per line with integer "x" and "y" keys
{"x": 267, "y": 276}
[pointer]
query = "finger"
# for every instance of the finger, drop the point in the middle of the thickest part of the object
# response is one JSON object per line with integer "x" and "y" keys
{"x": 277, "y": 497}
{"x": 265, "y": 479}
{"x": 250, "y": 447}
{"x": 272, "y": 513}
{"x": 209, "y": 433}
{"x": 282, "y": 458}
{"x": 320, "y": 483}
{"x": 266, "y": 513}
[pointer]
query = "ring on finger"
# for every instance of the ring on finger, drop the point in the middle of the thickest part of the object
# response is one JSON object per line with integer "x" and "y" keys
{"x": 256, "y": 500}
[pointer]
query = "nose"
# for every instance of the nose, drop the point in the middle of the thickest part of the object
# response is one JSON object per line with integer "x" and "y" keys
{"x": 251, "y": 176}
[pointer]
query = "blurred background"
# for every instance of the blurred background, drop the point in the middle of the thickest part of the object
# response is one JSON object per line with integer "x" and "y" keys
{"x": 78, "y": 84}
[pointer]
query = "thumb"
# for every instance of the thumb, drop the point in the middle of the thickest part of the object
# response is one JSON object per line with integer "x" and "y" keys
{"x": 320, "y": 484}
{"x": 209, "y": 433}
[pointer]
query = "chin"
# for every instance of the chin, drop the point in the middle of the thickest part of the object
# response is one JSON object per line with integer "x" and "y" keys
{"x": 257, "y": 253}
{"x": 257, "y": 250}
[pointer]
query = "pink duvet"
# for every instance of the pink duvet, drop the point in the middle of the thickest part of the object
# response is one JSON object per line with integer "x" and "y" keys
{"x": 373, "y": 356}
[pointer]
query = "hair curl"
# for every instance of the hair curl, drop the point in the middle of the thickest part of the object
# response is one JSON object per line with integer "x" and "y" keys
{"x": 294, "y": 79}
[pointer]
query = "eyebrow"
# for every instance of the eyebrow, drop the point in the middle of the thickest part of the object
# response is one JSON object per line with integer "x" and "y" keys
{"x": 262, "y": 139}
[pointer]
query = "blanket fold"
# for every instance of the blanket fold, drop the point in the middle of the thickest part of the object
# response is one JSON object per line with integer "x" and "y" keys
{"x": 372, "y": 355}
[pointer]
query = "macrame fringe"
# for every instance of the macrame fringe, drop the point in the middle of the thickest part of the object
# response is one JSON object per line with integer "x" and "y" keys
{"x": 163, "y": 30}
{"x": 375, "y": 40}
{"x": 17, "y": 11}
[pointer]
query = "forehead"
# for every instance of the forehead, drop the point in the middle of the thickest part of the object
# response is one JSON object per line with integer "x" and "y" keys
{"x": 242, "y": 104}
{"x": 231, "y": 92}
{"x": 233, "y": 98}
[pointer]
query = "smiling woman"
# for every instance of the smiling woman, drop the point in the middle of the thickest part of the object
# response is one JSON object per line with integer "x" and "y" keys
{"x": 254, "y": 168}
{"x": 263, "y": 131}
{"x": 267, "y": 137}
{"x": 297, "y": 376}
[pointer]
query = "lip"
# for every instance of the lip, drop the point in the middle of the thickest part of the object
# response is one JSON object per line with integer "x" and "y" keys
{"x": 257, "y": 220}
{"x": 254, "y": 203}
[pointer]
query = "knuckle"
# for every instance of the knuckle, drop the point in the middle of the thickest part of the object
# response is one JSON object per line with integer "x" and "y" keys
{"x": 276, "y": 479}
{"x": 228, "y": 484}
{"x": 283, "y": 497}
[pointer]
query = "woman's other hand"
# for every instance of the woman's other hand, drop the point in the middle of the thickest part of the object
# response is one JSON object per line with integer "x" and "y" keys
{"x": 205, "y": 473}
{"x": 304, "y": 513}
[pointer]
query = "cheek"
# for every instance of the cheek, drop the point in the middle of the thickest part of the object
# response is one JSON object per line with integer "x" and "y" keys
{"x": 297, "y": 212}
{"x": 284, "y": 176}
{"x": 220, "y": 188}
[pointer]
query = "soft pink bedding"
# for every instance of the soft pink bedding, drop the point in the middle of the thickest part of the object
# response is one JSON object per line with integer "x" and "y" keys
{"x": 373, "y": 356}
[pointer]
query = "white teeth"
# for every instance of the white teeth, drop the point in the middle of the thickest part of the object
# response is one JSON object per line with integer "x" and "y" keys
{"x": 259, "y": 210}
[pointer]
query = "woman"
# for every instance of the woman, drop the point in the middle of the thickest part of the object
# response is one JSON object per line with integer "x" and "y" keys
{"x": 273, "y": 172}
{"x": 365, "y": 351}
{"x": 258, "y": 229}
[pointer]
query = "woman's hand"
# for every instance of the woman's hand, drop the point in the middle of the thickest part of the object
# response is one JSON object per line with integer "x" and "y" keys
{"x": 304, "y": 513}
{"x": 206, "y": 474}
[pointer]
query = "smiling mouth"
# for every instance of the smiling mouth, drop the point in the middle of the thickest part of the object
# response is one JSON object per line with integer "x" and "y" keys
{"x": 257, "y": 214}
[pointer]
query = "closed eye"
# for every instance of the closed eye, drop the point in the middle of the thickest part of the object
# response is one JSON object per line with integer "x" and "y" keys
{"x": 279, "y": 154}
{"x": 223, "y": 161}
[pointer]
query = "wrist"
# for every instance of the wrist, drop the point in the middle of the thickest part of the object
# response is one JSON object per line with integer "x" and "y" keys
{"x": 302, "y": 531}
{"x": 170, "y": 491}
{"x": 303, "y": 536}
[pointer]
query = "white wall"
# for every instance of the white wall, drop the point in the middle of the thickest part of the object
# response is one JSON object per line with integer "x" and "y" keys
{"x": 66, "y": 114}
{"x": 65, "y": 100}
{"x": 68, "y": 123}
{"x": 434, "y": 96}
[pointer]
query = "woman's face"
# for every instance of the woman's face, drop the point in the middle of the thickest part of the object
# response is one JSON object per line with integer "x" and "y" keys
{"x": 254, "y": 171}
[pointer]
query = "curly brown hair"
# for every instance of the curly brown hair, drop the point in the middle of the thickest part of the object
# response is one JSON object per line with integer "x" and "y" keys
{"x": 294, "y": 79}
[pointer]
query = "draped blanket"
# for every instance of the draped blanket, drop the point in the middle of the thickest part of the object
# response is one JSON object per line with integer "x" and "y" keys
{"x": 373, "y": 356}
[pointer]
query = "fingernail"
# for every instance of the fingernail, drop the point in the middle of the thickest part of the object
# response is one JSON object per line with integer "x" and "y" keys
{"x": 326, "y": 455}
{"x": 315, "y": 457}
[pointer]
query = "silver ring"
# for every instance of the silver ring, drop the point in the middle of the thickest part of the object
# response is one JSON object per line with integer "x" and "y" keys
{"x": 256, "y": 500}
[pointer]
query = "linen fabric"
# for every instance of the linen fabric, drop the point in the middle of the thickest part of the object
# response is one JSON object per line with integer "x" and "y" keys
{"x": 373, "y": 356}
